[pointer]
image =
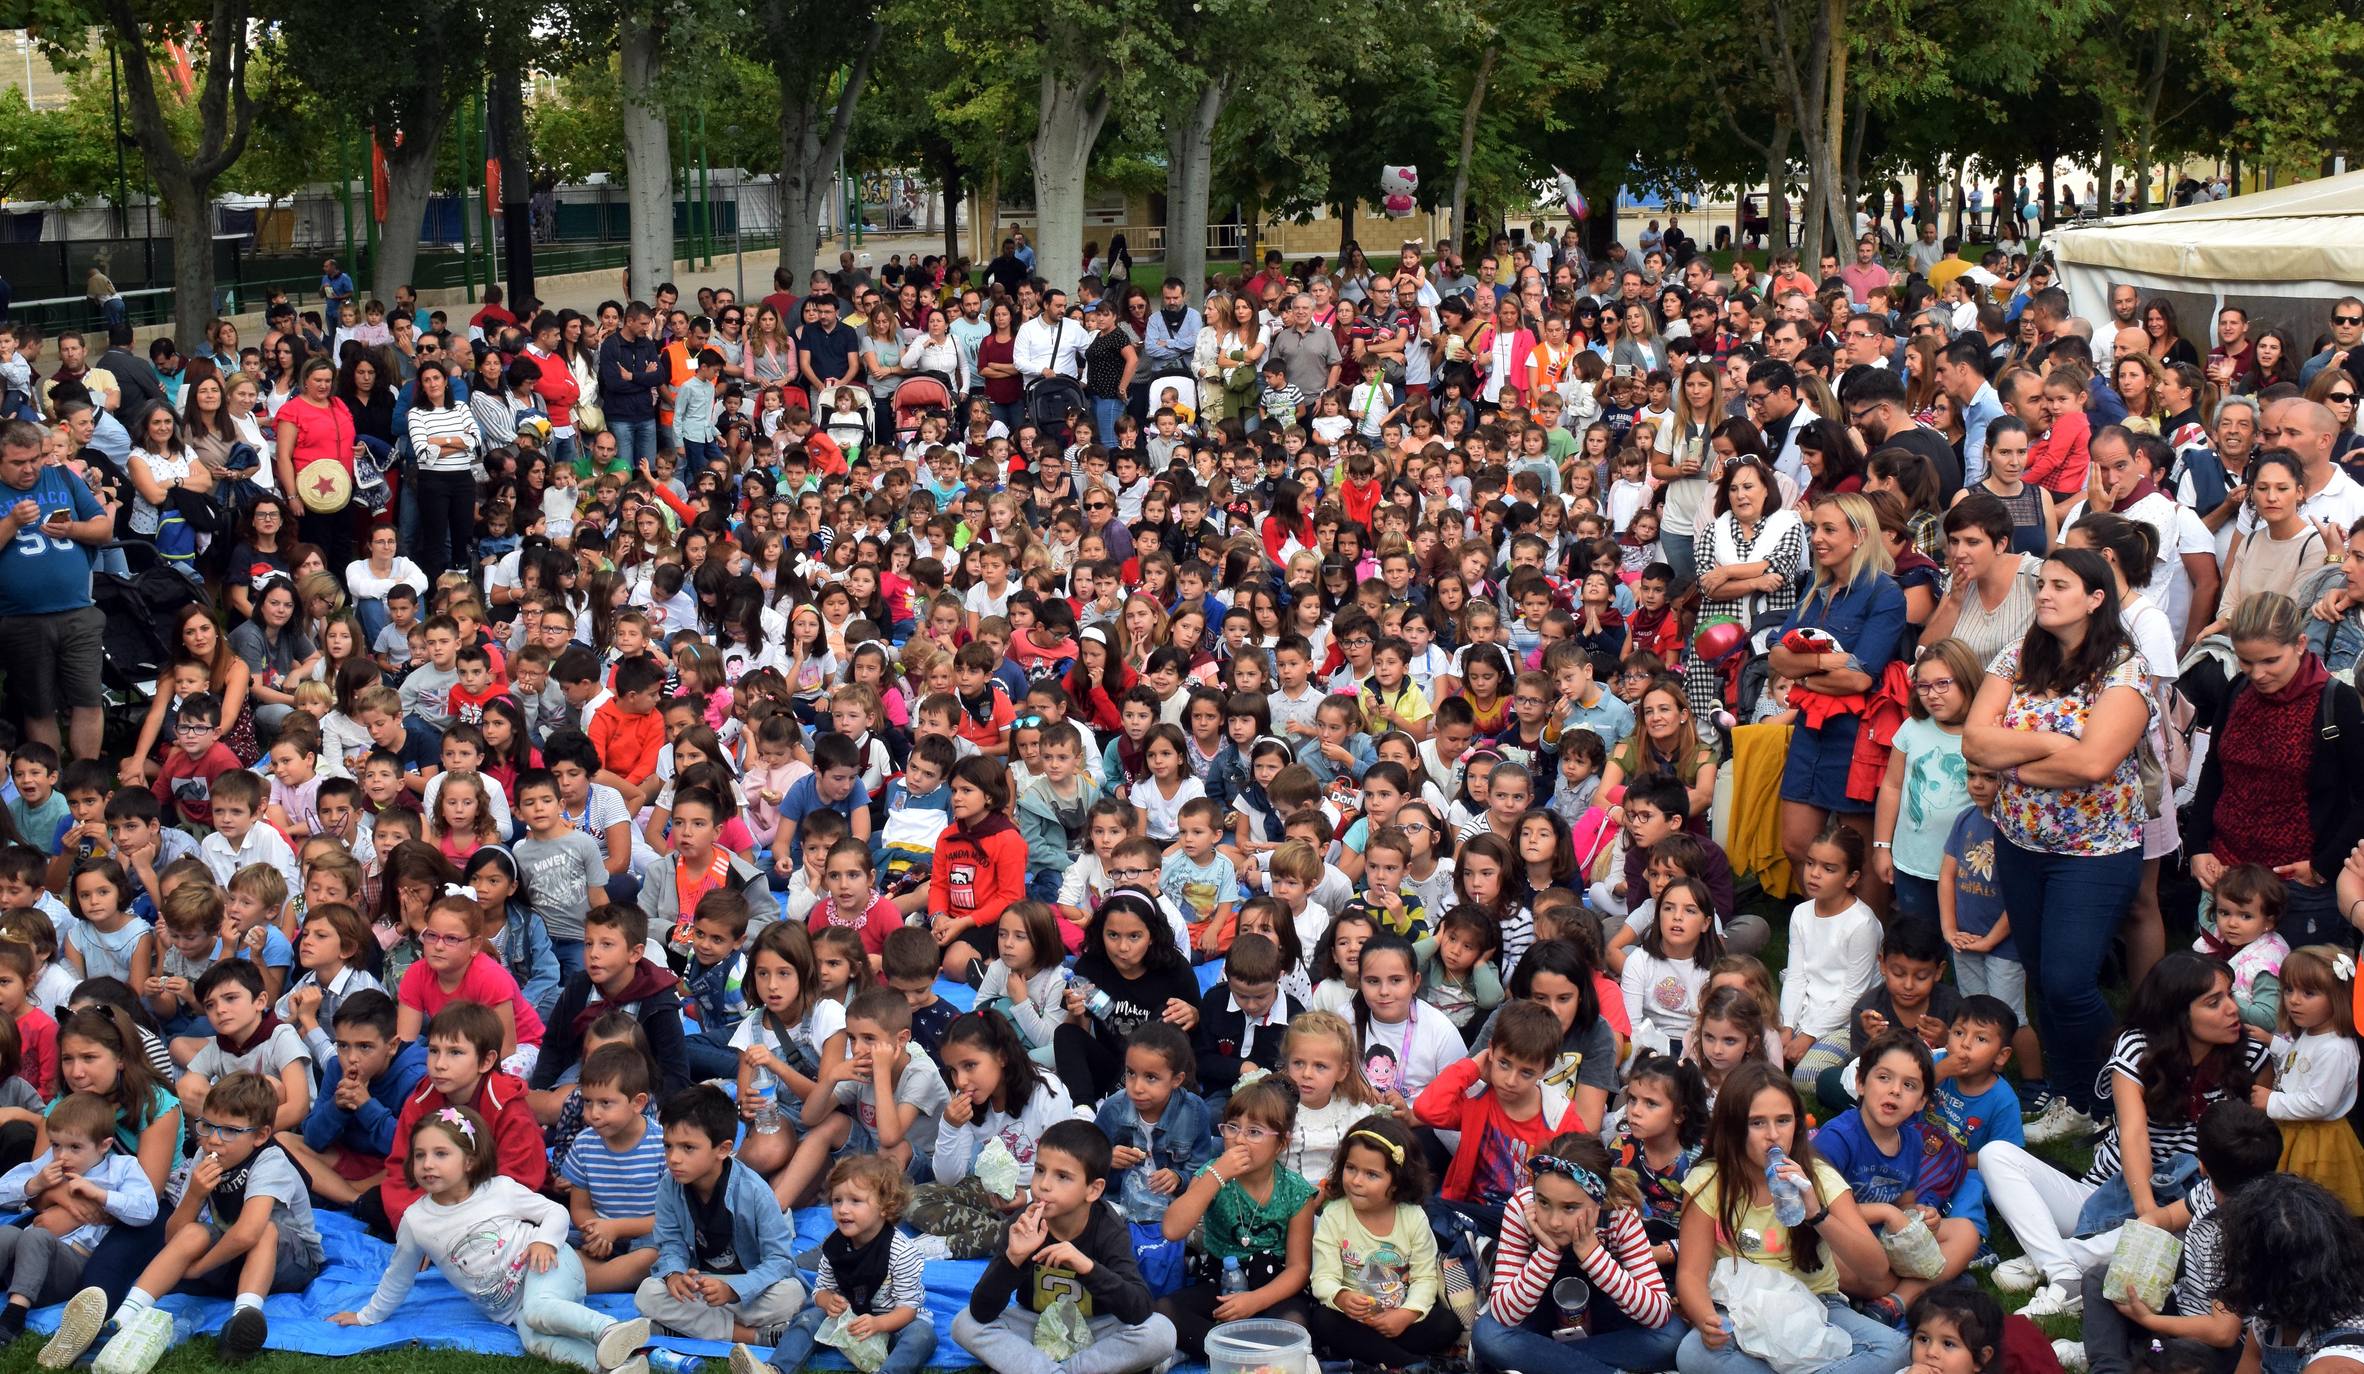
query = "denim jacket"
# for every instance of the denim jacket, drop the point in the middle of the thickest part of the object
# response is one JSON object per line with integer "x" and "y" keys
{"x": 760, "y": 1232}
{"x": 1228, "y": 775}
{"x": 1183, "y": 1139}
{"x": 1325, "y": 771}
{"x": 527, "y": 953}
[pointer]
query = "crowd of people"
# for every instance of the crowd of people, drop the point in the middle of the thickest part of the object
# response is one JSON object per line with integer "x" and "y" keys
{"x": 1217, "y": 800}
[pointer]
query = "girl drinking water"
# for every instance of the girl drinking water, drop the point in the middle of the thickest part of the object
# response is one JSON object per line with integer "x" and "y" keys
{"x": 1758, "y": 1132}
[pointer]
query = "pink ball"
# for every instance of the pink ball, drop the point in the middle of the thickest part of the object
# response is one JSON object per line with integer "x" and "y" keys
{"x": 1717, "y": 639}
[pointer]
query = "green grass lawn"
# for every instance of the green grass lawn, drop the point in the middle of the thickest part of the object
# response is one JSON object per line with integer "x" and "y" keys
{"x": 197, "y": 1357}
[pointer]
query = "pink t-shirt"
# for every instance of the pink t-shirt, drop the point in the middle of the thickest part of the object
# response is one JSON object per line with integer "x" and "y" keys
{"x": 876, "y": 925}
{"x": 485, "y": 983}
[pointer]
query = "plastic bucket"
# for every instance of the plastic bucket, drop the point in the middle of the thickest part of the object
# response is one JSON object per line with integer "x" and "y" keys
{"x": 1259, "y": 1345}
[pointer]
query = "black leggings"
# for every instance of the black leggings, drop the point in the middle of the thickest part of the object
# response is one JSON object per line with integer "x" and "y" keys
{"x": 1089, "y": 1066}
{"x": 1192, "y": 1311}
{"x": 447, "y": 520}
{"x": 1342, "y": 1337}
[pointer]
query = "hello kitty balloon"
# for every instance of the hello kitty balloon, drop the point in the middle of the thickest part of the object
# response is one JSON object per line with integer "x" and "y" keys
{"x": 1397, "y": 186}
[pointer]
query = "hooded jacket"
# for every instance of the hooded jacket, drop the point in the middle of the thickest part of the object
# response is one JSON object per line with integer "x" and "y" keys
{"x": 517, "y": 1138}
{"x": 978, "y": 872}
{"x": 1038, "y": 822}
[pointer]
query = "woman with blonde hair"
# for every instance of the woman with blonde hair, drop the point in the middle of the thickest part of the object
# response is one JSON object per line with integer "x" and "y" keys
{"x": 2136, "y": 379}
{"x": 1837, "y": 643}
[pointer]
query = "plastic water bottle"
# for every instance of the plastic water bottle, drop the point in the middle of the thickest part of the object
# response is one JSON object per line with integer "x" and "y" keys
{"x": 675, "y": 1362}
{"x": 1789, "y": 1198}
{"x": 767, "y": 1103}
{"x": 1143, "y": 1203}
{"x": 1235, "y": 1279}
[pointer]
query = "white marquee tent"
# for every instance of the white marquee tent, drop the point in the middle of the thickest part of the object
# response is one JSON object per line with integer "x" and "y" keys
{"x": 2283, "y": 255}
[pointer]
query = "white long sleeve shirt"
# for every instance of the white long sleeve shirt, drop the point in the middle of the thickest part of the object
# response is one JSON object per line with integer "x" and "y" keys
{"x": 1832, "y": 961}
{"x": 478, "y": 1243}
{"x": 2314, "y": 1078}
{"x": 1040, "y": 341}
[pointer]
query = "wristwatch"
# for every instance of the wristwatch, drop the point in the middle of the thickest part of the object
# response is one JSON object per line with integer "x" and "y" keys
{"x": 1882, "y": 844}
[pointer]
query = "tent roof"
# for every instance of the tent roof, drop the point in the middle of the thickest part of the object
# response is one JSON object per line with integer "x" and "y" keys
{"x": 2313, "y": 230}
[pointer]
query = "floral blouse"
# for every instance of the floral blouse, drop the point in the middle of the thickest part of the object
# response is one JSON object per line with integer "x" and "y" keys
{"x": 2104, "y": 818}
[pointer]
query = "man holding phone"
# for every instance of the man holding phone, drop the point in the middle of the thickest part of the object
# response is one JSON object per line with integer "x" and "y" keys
{"x": 51, "y": 633}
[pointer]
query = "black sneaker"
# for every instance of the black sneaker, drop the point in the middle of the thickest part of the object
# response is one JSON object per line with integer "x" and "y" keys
{"x": 12, "y": 1322}
{"x": 243, "y": 1335}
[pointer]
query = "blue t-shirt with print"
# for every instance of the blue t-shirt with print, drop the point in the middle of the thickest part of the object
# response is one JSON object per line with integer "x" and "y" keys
{"x": 1927, "y": 1163}
{"x": 1978, "y": 900}
{"x": 40, "y": 574}
{"x": 1977, "y": 1120}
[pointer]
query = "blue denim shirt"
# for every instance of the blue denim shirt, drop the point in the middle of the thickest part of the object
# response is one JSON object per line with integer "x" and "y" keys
{"x": 760, "y": 1232}
{"x": 1183, "y": 1139}
{"x": 1325, "y": 771}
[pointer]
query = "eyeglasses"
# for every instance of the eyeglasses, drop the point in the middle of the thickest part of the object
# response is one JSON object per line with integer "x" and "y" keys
{"x": 195, "y": 727}
{"x": 223, "y": 1131}
{"x": 1244, "y": 1133}
{"x": 2350, "y": 320}
{"x": 1098, "y": 505}
{"x": 1934, "y": 686}
{"x": 1122, "y": 874}
{"x": 440, "y": 940}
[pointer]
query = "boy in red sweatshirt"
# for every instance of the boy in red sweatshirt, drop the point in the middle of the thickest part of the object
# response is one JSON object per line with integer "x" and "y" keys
{"x": 1513, "y": 1118}
{"x": 980, "y": 865}
{"x": 463, "y": 1048}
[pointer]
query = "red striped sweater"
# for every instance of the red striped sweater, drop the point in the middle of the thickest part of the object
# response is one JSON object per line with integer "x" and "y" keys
{"x": 1621, "y": 1268}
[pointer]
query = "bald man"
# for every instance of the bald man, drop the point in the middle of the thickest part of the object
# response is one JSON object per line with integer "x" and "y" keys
{"x": 2308, "y": 430}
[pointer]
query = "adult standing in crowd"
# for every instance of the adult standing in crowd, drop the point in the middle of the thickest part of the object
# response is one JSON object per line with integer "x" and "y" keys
{"x": 51, "y": 631}
{"x": 2060, "y": 718}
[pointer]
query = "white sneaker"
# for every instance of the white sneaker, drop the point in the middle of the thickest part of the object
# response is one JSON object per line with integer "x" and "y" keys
{"x": 2022, "y": 1275}
{"x": 745, "y": 1361}
{"x": 620, "y": 1342}
{"x": 2060, "y": 1121}
{"x": 2071, "y": 1355}
{"x": 2054, "y": 1300}
{"x": 85, "y": 1317}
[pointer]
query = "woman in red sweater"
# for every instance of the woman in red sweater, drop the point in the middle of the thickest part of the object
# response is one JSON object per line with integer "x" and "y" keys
{"x": 980, "y": 865}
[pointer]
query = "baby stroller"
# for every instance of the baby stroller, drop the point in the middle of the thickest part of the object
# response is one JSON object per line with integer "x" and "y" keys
{"x": 139, "y": 609}
{"x": 1051, "y": 401}
{"x": 915, "y": 398}
{"x": 1179, "y": 391}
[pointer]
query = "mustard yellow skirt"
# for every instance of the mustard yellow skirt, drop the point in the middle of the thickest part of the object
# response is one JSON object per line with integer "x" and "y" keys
{"x": 2328, "y": 1153}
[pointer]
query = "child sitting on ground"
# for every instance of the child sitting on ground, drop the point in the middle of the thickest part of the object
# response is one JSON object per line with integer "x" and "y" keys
{"x": 877, "y": 1093}
{"x": 243, "y": 1230}
{"x": 615, "y": 972}
{"x": 364, "y": 1084}
{"x": 716, "y": 1280}
{"x": 613, "y": 1169}
{"x": 867, "y": 1267}
{"x": 1064, "y": 1241}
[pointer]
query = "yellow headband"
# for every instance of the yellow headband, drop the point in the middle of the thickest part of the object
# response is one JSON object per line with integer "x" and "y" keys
{"x": 1393, "y": 1150}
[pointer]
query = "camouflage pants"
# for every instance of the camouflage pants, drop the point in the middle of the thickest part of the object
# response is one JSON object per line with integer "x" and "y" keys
{"x": 962, "y": 1213}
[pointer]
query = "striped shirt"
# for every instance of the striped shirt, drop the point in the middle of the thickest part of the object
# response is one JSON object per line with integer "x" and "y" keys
{"x": 455, "y": 421}
{"x": 904, "y": 1287}
{"x": 1620, "y": 1269}
{"x": 621, "y": 1183}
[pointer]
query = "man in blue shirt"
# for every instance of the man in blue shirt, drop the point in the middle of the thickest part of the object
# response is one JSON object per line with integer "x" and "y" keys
{"x": 1961, "y": 370}
{"x": 631, "y": 366}
{"x": 336, "y": 287}
{"x": 50, "y": 631}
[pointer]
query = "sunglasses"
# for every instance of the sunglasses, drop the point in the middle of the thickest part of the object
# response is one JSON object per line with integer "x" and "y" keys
{"x": 2348, "y": 319}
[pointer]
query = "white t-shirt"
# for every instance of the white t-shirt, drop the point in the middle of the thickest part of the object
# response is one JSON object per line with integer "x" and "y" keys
{"x": 1407, "y": 1056}
{"x": 1161, "y": 814}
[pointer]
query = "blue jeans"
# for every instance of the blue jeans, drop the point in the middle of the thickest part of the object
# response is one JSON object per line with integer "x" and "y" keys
{"x": 1875, "y": 1348}
{"x": 907, "y": 1350}
{"x": 2065, "y": 911}
{"x": 2311, "y": 917}
{"x": 710, "y": 1055}
{"x": 1530, "y": 1349}
{"x": 1681, "y": 550}
{"x": 635, "y": 440}
{"x": 570, "y": 956}
{"x": 1105, "y": 411}
{"x": 1915, "y": 898}
{"x": 699, "y": 452}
